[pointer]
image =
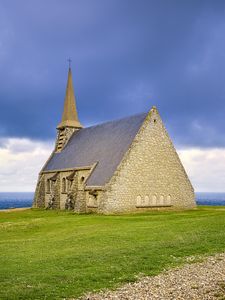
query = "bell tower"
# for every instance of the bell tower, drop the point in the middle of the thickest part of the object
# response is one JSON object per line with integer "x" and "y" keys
{"x": 70, "y": 121}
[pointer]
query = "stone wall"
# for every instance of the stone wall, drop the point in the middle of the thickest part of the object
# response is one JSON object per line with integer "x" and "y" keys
{"x": 39, "y": 196}
{"x": 77, "y": 189}
{"x": 82, "y": 176}
{"x": 72, "y": 188}
{"x": 93, "y": 200}
{"x": 49, "y": 194}
{"x": 150, "y": 176}
{"x": 63, "y": 136}
{"x": 56, "y": 191}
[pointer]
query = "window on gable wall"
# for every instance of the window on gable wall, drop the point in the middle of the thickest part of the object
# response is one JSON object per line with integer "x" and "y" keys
{"x": 48, "y": 188}
{"x": 64, "y": 185}
{"x": 70, "y": 182}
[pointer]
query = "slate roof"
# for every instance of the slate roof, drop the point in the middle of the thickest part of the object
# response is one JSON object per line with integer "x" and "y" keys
{"x": 105, "y": 143}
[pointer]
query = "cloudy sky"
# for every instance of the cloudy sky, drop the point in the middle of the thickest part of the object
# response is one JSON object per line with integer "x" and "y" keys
{"x": 126, "y": 57}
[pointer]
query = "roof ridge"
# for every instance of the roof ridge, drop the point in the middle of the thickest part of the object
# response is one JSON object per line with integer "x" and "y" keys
{"x": 114, "y": 121}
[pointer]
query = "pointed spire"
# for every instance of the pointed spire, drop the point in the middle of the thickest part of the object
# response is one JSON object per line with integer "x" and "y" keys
{"x": 70, "y": 116}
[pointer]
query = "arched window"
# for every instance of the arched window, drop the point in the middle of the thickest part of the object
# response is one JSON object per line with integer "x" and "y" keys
{"x": 95, "y": 200}
{"x": 70, "y": 184}
{"x": 64, "y": 185}
{"x": 48, "y": 189}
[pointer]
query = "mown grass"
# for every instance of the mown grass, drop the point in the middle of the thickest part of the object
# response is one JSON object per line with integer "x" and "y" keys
{"x": 56, "y": 255}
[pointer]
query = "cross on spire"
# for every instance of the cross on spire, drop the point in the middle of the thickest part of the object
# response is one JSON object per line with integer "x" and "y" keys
{"x": 69, "y": 60}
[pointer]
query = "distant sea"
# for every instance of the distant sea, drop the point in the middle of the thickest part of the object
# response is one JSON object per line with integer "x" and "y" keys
{"x": 210, "y": 198}
{"x": 15, "y": 200}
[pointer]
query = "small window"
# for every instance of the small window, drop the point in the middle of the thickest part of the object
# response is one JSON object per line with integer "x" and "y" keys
{"x": 95, "y": 200}
{"x": 48, "y": 189}
{"x": 64, "y": 185}
{"x": 70, "y": 184}
{"x": 154, "y": 120}
{"x": 82, "y": 179}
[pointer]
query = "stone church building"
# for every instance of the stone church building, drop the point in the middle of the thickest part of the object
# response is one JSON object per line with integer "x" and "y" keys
{"x": 119, "y": 166}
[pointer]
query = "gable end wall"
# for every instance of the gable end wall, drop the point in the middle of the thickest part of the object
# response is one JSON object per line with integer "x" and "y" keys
{"x": 150, "y": 170}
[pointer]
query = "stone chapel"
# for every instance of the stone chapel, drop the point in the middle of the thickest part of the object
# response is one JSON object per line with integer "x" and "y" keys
{"x": 120, "y": 166}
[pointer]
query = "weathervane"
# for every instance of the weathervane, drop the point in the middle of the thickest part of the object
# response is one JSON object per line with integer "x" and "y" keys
{"x": 69, "y": 60}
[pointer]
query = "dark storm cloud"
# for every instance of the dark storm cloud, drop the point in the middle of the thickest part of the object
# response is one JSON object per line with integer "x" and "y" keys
{"x": 127, "y": 56}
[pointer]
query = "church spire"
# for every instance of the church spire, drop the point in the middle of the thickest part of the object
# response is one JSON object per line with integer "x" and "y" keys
{"x": 70, "y": 116}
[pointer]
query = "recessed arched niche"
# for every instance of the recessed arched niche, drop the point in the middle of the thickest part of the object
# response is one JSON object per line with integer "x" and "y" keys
{"x": 161, "y": 200}
{"x": 138, "y": 200}
{"x": 154, "y": 200}
{"x": 146, "y": 200}
{"x": 168, "y": 200}
{"x": 90, "y": 201}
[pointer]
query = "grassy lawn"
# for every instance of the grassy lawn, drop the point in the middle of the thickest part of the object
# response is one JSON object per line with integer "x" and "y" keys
{"x": 56, "y": 255}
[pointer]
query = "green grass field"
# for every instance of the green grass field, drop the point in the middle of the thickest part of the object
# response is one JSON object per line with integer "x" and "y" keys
{"x": 56, "y": 255}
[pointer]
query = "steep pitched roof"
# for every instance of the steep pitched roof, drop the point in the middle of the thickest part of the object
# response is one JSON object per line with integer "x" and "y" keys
{"x": 105, "y": 143}
{"x": 70, "y": 116}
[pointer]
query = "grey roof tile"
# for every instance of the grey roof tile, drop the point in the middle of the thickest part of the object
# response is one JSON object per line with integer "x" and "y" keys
{"x": 105, "y": 143}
